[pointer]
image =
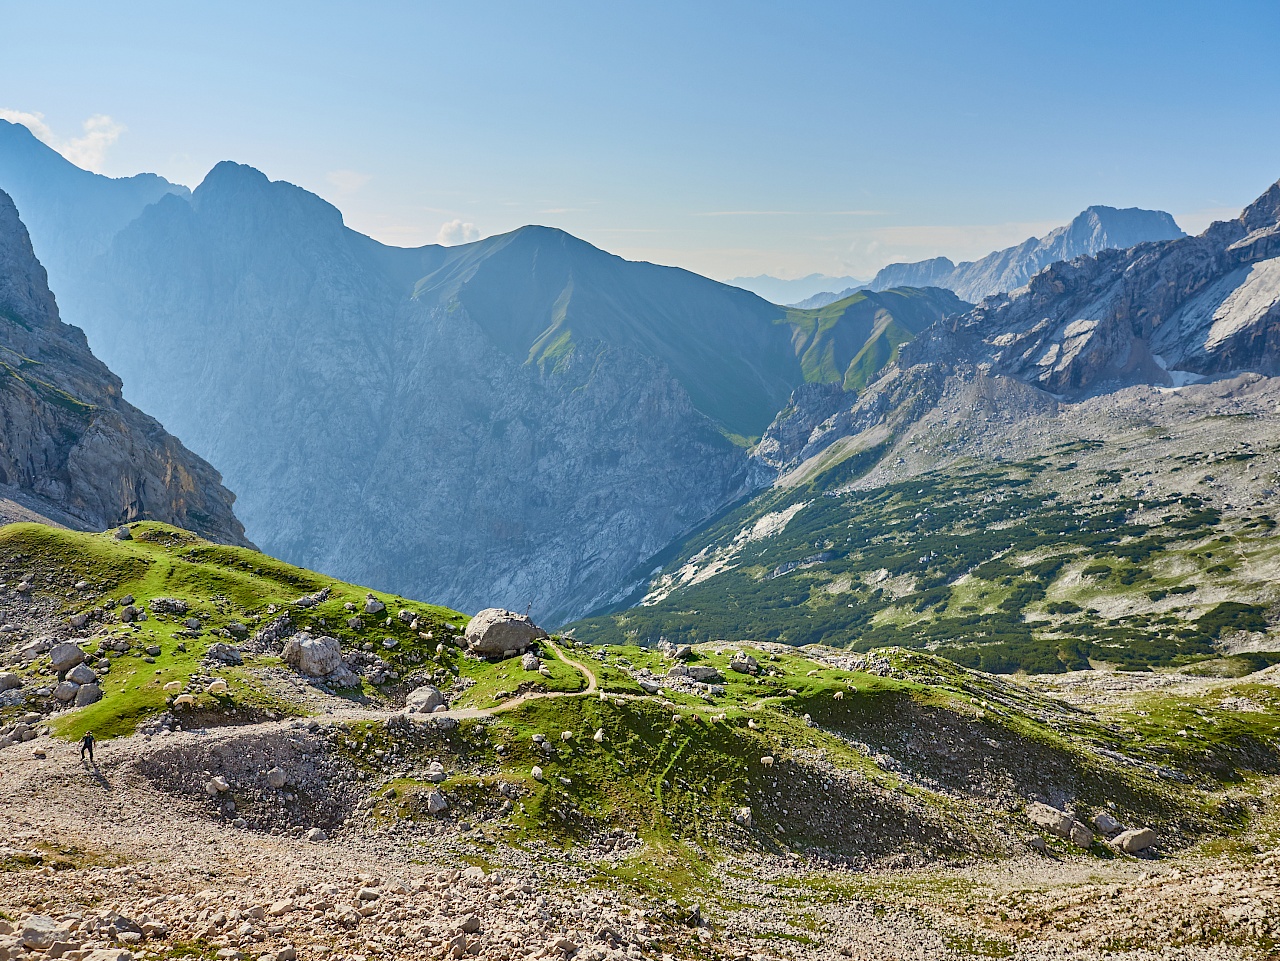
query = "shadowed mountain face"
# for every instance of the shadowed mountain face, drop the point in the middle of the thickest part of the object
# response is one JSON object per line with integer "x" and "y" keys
{"x": 523, "y": 419}
{"x": 520, "y": 420}
{"x": 71, "y": 449}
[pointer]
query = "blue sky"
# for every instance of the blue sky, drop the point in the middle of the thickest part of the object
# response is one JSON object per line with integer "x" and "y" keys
{"x": 730, "y": 138}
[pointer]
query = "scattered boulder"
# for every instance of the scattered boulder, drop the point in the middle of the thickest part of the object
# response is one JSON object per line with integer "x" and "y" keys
{"x": 217, "y": 785}
{"x": 683, "y": 652}
{"x": 224, "y": 654}
{"x": 82, "y": 674}
{"x": 312, "y": 600}
{"x": 436, "y": 803}
{"x": 79, "y": 621}
{"x": 65, "y": 656}
{"x": 744, "y": 664}
{"x": 167, "y": 605}
{"x": 436, "y": 772}
{"x": 66, "y": 691}
{"x": 424, "y": 700}
{"x": 123, "y": 534}
{"x": 498, "y": 633}
{"x": 313, "y": 656}
{"x": 317, "y": 834}
{"x": 1106, "y": 824}
{"x": 276, "y": 778}
{"x": 530, "y": 662}
{"x": 9, "y": 682}
{"x": 40, "y": 931}
{"x": 88, "y": 694}
{"x": 742, "y": 817}
{"x": 1135, "y": 841}
{"x": 373, "y": 606}
{"x": 704, "y": 674}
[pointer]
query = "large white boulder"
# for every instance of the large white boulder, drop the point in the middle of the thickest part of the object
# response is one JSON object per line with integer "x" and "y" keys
{"x": 1060, "y": 823}
{"x": 1135, "y": 840}
{"x": 313, "y": 656}
{"x": 498, "y": 633}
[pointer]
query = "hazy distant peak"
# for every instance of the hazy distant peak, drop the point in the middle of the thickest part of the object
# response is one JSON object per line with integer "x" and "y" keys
{"x": 1094, "y": 229}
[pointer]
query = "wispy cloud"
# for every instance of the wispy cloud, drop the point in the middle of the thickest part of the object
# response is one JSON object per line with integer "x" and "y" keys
{"x": 457, "y": 232}
{"x": 348, "y": 181}
{"x": 87, "y": 151}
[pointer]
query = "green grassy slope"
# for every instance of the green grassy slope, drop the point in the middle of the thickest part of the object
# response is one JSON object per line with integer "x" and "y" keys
{"x": 851, "y": 340}
{"x": 221, "y": 586}
{"x": 984, "y": 563}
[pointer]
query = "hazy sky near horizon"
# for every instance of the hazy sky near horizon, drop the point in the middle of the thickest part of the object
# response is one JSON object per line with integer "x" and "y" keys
{"x": 730, "y": 138}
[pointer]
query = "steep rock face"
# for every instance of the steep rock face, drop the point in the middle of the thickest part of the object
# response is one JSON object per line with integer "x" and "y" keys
{"x": 70, "y": 447}
{"x": 411, "y": 440}
{"x": 1165, "y": 313}
{"x": 1094, "y": 230}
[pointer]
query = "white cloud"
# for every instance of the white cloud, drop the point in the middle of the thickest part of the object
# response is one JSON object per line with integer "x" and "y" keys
{"x": 457, "y": 232}
{"x": 348, "y": 181}
{"x": 87, "y": 151}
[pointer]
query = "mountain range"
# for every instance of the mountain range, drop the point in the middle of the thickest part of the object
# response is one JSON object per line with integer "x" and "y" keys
{"x": 1093, "y": 230}
{"x": 519, "y": 420}
{"x": 1076, "y": 473}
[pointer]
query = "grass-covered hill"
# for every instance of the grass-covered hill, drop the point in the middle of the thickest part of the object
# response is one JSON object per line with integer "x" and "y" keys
{"x": 894, "y": 754}
{"x": 231, "y": 592}
{"x": 850, "y": 341}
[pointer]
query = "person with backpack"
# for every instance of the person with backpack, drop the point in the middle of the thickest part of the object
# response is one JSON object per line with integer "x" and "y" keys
{"x": 86, "y": 745}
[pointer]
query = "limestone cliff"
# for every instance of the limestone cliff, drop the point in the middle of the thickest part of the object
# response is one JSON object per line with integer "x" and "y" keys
{"x": 71, "y": 448}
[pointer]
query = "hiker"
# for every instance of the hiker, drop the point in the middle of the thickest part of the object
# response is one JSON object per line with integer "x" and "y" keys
{"x": 86, "y": 746}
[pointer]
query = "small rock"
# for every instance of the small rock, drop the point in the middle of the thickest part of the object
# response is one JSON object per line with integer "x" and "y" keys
{"x": 317, "y": 834}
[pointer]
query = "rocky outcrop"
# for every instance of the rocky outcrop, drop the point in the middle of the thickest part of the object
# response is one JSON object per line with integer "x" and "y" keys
{"x": 1092, "y": 231}
{"x": 71, "y": 448}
